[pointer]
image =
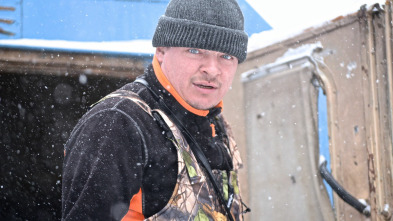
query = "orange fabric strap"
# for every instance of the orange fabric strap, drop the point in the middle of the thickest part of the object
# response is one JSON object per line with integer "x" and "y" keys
{"x": 213, "y": 130}
{"x": 135, "y": 210}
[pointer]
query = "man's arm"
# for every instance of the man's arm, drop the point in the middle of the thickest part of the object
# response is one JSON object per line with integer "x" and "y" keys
{"x": 102, "y": 167}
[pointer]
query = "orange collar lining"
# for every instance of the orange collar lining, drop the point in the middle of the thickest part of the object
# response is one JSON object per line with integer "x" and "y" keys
{"x": 168, "y": 86}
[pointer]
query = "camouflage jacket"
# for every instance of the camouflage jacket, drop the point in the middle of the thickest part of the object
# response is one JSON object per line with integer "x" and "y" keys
{"x": 194, "y": 197}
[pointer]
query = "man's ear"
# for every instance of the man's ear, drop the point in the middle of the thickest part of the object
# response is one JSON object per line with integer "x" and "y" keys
{"x": 160, "y": 51}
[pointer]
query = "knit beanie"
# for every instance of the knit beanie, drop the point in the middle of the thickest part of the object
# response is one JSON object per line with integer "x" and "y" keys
{"x": 216, "y": 25}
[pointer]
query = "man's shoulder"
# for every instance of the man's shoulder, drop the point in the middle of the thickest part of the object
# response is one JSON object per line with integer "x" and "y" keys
{"x": 125, "y": 101}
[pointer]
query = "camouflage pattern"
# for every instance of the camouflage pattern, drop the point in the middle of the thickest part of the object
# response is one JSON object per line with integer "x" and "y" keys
{"x": 194, "y": 197}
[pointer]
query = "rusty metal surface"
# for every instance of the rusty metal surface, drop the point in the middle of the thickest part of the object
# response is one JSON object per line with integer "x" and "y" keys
{"x": 356, "y": 74}
{"x": 378, "y": 74}
{"x": 5, "y": 8}
{"x": 21, "y": 61}
{"x": 7, "y": 21}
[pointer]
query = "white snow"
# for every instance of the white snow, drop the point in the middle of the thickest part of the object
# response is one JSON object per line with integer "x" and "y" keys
{"x": 131, "y": 47}
{"x": 301, "y": 52}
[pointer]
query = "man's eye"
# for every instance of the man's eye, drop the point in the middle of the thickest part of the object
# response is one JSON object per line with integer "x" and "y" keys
{"x": 227, "y": 56}
{"x": 193, "y": 51}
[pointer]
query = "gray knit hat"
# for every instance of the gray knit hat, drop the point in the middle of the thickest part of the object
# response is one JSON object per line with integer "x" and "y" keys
{"x": 216, "y": 25}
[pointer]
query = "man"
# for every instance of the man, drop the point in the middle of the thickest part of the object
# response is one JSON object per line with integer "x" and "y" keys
{"x": 158, "y": 148}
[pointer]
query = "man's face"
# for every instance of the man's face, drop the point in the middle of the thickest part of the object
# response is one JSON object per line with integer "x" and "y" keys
{"x": 201, "y": 77}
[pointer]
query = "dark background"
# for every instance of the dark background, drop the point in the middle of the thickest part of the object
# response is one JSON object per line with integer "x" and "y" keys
{"x": 37, "y": 114}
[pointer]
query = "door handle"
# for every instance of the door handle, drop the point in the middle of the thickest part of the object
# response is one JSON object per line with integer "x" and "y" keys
{"x": 359, "y": 204}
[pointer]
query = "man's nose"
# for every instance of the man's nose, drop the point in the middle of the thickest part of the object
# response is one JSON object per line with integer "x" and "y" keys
{"x": 211, "y": 66}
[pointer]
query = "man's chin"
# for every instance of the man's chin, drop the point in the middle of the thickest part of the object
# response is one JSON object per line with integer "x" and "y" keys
{"x": 202, "y": 105}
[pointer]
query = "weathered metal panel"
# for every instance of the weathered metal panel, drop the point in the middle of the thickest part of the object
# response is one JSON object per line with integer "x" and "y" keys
{"x": 377, "y": 35}
{"x": 22, "y": 61}
{"x": 343, "y": 84}
{"x": 281, "y": 110}
{"x": 355, "y": 71}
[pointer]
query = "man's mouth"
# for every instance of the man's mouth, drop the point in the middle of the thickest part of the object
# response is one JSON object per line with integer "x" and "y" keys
{"x": 205, "y": 86}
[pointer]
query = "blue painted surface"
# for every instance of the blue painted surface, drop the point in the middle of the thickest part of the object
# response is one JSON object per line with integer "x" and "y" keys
{"x": 102, "y": 20}
{"x": 97, "y": 20}
{"x": 324, "y": 136}
{"x": 253, "y": 22}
